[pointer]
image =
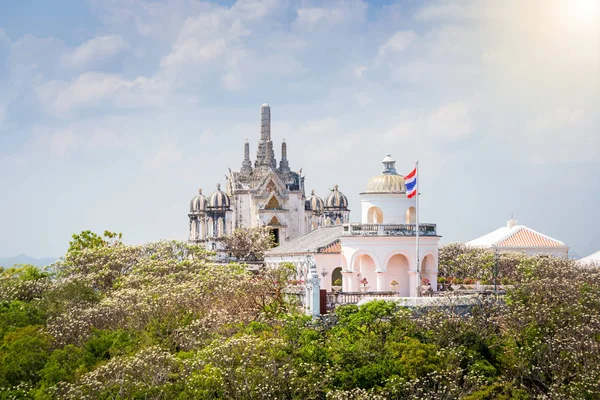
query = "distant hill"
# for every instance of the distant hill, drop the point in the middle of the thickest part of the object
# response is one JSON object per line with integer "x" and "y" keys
{"x": 25, "y": 259}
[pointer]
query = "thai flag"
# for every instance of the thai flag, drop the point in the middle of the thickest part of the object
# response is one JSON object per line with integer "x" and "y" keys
{"x": 411, "y": 184}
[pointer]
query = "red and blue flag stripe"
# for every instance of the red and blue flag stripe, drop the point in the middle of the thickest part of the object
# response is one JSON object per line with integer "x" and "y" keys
{"x": 411, "y": 184}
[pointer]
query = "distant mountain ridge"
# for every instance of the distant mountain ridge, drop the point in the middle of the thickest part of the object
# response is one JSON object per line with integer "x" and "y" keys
{"x": 8, "y": 262}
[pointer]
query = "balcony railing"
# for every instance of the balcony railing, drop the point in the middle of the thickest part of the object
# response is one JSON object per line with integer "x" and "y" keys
{"x": 357, "y": 229}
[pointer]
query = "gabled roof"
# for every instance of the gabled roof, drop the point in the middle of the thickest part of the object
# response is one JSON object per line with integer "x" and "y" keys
{"x": 321, "y": 240}
{"x": 516, "y": 236}
{"x": 591, "y": 259}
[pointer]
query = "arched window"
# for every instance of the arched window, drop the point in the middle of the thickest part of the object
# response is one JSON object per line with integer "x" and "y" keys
{"x": 375, "y": 215}
{"x": 338, "y": 221}
{"x": 335, "y": 275}
{"x": 411, "y": 215}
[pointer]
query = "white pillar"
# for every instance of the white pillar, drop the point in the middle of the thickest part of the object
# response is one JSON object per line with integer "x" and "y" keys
{"x": 412, "y": 276}
{"x": 381, "y": 281}
{"x": 347, "y": 281}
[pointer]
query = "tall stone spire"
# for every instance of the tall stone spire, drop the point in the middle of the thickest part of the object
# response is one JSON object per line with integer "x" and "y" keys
{"x": 265, "y": 122}
{"x": 247, "y": 164}
{"x": 284, "y": 164}
{"x": 265, "y": 156}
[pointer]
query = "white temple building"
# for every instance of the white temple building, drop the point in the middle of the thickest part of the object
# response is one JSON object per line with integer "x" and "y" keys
{"x": 263, "y": 194}
{"x": 515, "y": 237}
{"x": 379, "y": 253}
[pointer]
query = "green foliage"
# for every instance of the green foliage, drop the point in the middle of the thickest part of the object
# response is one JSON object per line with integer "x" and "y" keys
{"x": 23, "y": 354}
{"x": 90, "y": 240}
{"x": 18, "y": 314}
{"x": 160, "y": 321}
{"x": 64, "y": 365}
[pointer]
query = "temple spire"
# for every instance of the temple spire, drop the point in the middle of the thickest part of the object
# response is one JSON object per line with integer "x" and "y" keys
{"x": 283, "y": 164}
{"x": 265, "y": 122}
{"x": 265, "y": 157}
{"x": 247, "y": 164}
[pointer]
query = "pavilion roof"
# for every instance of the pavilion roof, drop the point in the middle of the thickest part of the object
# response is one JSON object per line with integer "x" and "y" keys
{"x": 517, "y": 236}
{"x": 324, "y": 239}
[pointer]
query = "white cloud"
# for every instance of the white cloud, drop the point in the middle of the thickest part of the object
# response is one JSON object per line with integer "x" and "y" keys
{"x": 447, "y": 123}
{"x": 398, "y": 42}
{"x": 256, "y": 9}
{"x": 359, "y": 71}
{"x": 93, "y": 88}
{"x": 452, "y": 121}
{"x": 204, "y": 38}
{"x": 310, "y": 18}
{"x": 55, "y": 142}
{"x": 165, "y": 155}
{"x": 96, "y": 49}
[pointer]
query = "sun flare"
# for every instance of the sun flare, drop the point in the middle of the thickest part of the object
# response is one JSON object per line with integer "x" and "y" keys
{"x": 585, "y": 10}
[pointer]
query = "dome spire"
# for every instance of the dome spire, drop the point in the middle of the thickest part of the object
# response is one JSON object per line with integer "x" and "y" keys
{"x": 389, "y": 165}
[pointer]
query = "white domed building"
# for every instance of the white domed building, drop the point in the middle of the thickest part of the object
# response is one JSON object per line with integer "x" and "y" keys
{"x": 379, "y": 253}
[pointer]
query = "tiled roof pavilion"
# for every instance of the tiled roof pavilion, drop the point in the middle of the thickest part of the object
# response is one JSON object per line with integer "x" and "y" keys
{"x": 514, "y": 236}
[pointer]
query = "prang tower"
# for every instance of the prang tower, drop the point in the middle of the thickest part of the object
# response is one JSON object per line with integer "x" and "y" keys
{"x": 264, "y": 195}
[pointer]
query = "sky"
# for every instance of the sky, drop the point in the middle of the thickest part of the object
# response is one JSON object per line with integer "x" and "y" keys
{"x": 113, "y": 113}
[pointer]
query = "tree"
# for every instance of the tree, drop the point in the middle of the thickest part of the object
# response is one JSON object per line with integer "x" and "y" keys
{"x": 249, "y": 244}
{"x": 90, "y": 240}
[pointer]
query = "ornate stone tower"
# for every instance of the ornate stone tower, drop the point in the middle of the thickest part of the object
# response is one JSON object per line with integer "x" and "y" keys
{"x": 263, "y": 195}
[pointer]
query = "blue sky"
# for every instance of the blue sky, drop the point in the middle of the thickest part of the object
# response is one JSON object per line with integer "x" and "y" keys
{"x": 113, "y": 113}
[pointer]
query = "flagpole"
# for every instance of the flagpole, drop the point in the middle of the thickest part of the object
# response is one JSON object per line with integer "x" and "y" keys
{"x": 417, "y": 229}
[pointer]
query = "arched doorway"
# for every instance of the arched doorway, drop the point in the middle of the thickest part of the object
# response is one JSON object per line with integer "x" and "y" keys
{"x": 368, "y": 270}
{"x": 375, "y": 215}
{"x": 397, "y": 270}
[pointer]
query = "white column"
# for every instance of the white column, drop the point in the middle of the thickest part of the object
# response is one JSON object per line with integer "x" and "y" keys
{"x": 381, "y": 278}
{"x": 412, "y": 276}
{"x": 346, "y": 281}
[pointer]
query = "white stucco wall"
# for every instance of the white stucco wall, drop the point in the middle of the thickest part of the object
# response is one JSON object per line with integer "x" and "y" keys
{"x": 327, "y": 263}
{"x": 393, "y": 206}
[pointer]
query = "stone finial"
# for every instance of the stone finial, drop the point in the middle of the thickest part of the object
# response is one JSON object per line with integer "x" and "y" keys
{"x": 511, "y": 223}
{"x": 200, "y": 191}
{"x": 312, "y": 192}
{"x": 218, "y": 186}
{"x": 335, "y": 188}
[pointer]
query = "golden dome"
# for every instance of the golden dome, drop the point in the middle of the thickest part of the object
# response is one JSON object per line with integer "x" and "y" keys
{"x": 389, "y": 181}
{"x": 386, "y": 183}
